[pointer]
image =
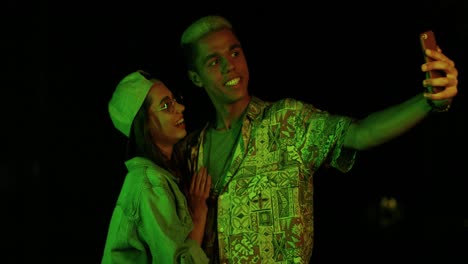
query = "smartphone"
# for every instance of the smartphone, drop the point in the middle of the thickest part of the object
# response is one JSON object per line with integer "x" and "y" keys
{"x": 428, "y": 41}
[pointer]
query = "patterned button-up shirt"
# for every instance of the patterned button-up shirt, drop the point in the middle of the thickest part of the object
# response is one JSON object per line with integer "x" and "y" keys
{"x": 265, "y": 211}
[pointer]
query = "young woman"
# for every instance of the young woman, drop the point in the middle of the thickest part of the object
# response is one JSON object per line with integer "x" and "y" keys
{"x": 160, "y": 213}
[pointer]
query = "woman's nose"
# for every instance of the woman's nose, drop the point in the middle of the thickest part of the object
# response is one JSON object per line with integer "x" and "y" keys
{"x": 180, "y": 108}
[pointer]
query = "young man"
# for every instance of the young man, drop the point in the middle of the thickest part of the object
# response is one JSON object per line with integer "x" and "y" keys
{"x": 262, "y": 156}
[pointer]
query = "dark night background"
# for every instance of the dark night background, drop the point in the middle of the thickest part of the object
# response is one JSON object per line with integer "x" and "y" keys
{"x": 63, "y": 161}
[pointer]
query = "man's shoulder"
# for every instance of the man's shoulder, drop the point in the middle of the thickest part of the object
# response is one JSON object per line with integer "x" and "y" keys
{"x": 287, "y": 102}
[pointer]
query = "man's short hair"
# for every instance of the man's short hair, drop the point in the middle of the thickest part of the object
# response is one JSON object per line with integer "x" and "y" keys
{"x": 202, "y": 26}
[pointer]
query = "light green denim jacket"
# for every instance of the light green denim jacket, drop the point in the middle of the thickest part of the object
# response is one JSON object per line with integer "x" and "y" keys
{"x": 151, "y": 220}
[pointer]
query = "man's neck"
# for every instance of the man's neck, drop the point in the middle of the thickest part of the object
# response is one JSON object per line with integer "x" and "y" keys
{"x": 228, "y": 115}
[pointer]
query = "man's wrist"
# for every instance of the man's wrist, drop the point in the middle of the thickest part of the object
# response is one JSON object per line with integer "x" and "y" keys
{"x": 439, "y": 107}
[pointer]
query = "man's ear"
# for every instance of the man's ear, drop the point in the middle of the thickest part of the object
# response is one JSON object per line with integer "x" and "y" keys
{"x": 193, "y": 76}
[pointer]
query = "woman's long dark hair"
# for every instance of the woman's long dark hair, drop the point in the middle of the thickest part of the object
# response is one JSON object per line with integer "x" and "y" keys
{"x": 141, "y": 144}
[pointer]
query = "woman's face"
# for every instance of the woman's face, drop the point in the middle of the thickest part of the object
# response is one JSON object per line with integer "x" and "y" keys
{"x": 166, "y": 119}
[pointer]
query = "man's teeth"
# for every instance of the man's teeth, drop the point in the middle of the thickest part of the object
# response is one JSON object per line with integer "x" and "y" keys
{"x": 233, "y": 82}
{"x": 180, "y": 121}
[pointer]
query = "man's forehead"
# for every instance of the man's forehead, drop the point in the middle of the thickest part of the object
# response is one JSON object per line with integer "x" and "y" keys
{"x": 218, "y": 41}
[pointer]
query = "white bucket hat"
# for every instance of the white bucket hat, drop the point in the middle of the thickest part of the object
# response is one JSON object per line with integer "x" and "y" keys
{"x": 127, "y": 99}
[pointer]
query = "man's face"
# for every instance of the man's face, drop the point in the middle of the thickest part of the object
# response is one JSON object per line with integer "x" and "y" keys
{"x": 221, "y": 67}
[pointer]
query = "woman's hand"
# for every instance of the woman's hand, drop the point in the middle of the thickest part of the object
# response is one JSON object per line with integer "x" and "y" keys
{"x": 199, "y": 192}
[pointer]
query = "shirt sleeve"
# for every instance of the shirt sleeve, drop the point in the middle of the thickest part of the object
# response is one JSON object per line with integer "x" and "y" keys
{"x": 342, "y": 158}
{"x": 320, "y": 136}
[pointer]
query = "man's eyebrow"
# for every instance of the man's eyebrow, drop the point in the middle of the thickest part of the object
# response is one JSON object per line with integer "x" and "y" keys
{"x": 212, "y": 55}
{"x": 235, "y": 46}
{"x": 231, "y": 48}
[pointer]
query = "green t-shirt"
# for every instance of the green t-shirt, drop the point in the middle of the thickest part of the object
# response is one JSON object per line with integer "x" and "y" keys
{"x": 219, "y": 159}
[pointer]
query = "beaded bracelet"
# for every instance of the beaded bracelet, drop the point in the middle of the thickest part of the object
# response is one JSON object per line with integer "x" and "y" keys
{"x": 440, "y": 108}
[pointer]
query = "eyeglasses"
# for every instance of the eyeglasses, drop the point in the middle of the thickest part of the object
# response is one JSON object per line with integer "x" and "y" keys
{"x": 168, "y": 105}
